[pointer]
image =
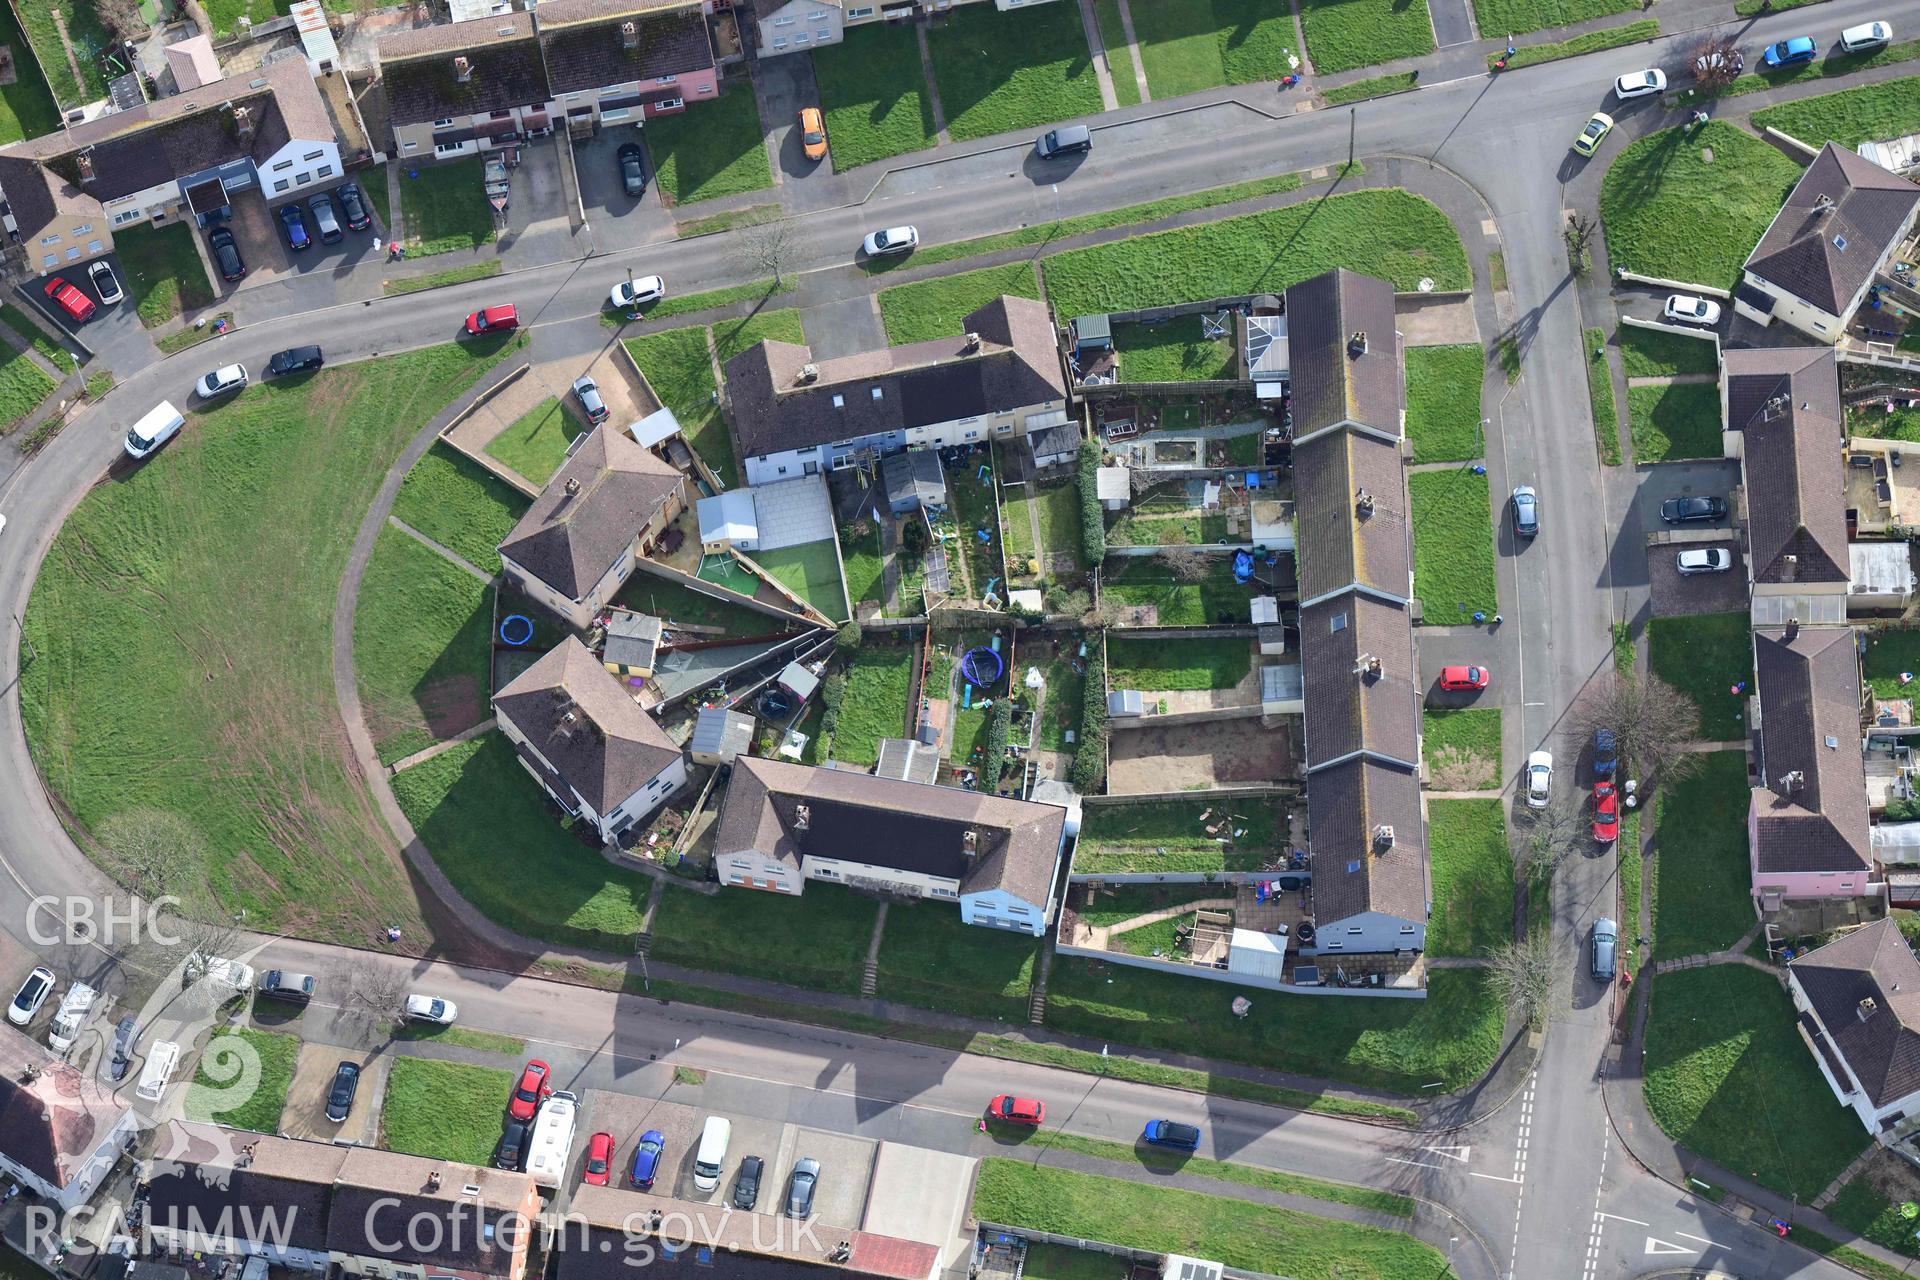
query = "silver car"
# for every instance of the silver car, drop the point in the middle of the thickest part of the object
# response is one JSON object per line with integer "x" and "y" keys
{"x": 1704, "y": 560}
{"x": 1539, "y": 779}
{"x": 1606, "y": 937}
{"x": 591, "y": 402}
{"x": 227, "y": 378}
{"x": 801, "y": 1186}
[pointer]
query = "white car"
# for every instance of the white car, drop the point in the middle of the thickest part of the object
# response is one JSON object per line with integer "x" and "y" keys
{"x": 227, "y": 378}
{"x": 1539, "y": 779}
{"x": 32, "y": 994}
{"x": 1868, "y": 35}
{"x": 893, "y": 240}
{"x": 638, "y": 292}
{"x": 1641, "y": 84}
{"x": 1688, "y": 309}
{"x": 431, "y": 1009}
{"x": 1704, "y": 560}
{"x": 104, "y": 284}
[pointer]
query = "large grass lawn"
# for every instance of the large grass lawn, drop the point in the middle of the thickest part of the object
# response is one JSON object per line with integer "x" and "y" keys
{"x": 1193, "y": 663}
{"x": 225, "y": 566}
{"x": 162, "y": 270}
{"x": 1465, "y": 740}
{"x": 444, "y": 1110}
{"x": 1443, "y": 402}
{"x": 812, "y": 572}
{"x": 27, "y": 109}
{"x": 1174, "y": 835}
{"x": 1727, "y": 1075}
{"x": 421, "y": 647}
{"x": 935, "y": 308}
{"x": 1472, "y": 877}
{"x": 873, "y": 93}
{"x": 826, "y": 931}
{"x": 1181, "y": 602}
{"x": 23, "y": 385}
{"x": 1256, "y": 1237}
{"x": 1344, "y": 34}
{"x": 1655, "y": 353}
{"x": 1890, "y": 109}
{"x": 1512, "y": 17}
{"x": 1670, "y": 213}
{"x": 461, "y": 506}
{"x": 876, "y": 702}
{"x": 1187, "y": 45}
{"x": 87, "y": 34}
{"x": 1704, "y": 655}
{"x": 242, "y": 1079}
{"x": 1387, "y": 233}
{"x": 1701, "y": 882}
{"x": 714, "y": 148}
{"x": 1177, "y": 351}
{"x": 441, "y": 205}
{"x": 1674, "y": 420}
{"x": 536, "y": 443}
{"x": 932, "y": 958}
{"x": 998, "y": 72}
{"x": 1452, "y": 544}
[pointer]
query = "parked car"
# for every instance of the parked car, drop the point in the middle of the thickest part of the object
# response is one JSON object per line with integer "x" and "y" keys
{"x": 32, "y": 994}
{"x": 880, "y": 244}
{"x": 591, "y": 402}
{"x": 326, "y": 222}
{"x": 294, "y": 988}
{"x": 813, "y": 134}
{"x": 637, "y": 292}
{"x": 226, "y": 254}
{"x": 504, "y": 318}
{"x": 1067, "y": 140}
{"x": 1606, "y": 936}
{"x": 1525, "y": 506}
{"x": 1704, "y": 560}
{"x": 1592, "y": 134}
{"x": 533, "y": 1088}
{"x": 1685, "y": 308}
{"x": 78, "y": 306}
{"x": 1463, "y": 679}
{"x": 296, "y": 226}
{"x": 512, "y": 1151}
{"x": 1689, "y": 510}
{"x": 1539, "y": 779}
{"x": 126, "y": 1033}
{"x": 1641, "y": 84}
{"x": 1170, "y": 1133}
{"x": 1787, "y": 53}
{"x": 353, "y": 206}
{"x": 801, "y": 1185}
{"x": 1606, "y": 813}
{"x": 647, "y": 1158}
{"x": 227, "y": 378}
{"x": 746, "y": 1188}
{"x": 1606, "y": 756}
{"x": 100, "y": 272}
{"x": 295, "y": 360}
{"x": 346, "y": 1083}
{"x": 431, "y": 1009}
{"x": 633, "y": 169}
{"x": 1868, "y": 35}
{"x": 599, "y": 1166}
{"x": 1017, "y": 1110}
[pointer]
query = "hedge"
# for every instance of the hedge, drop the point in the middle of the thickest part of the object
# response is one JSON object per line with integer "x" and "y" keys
{"x": 1089, "y": 769}
{"x": 1093, "y": 529}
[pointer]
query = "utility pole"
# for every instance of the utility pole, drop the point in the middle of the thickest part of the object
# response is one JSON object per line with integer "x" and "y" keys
{"x": 1353, "y": 126}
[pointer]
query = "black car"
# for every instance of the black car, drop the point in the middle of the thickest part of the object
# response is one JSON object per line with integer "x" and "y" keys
{"x": 746, "y": 1191}
{"x": 633, "y": 170}
{"x": 354, "y": 206}
{"x": 1687, "y": 510}
{"x": 125, "y": 1033}
{"x": 346, "y": 1082}
{"x": 295, "y": 360}
{"x": 512, "y": 1151}
{"x": 226, "y": 254}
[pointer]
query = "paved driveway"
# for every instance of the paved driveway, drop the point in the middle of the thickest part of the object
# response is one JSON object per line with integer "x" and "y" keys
{"x": 626, "y": 1117}
{"x": 353, "y": 247}
{"x": 784, "y": 85}
{"x": 305, "y": 1115}
{"x": 846, "y": 1166}
{"x": 261, "y": 241}
{"x": 1674, "y": 593}
{"x": 618, "y": 219}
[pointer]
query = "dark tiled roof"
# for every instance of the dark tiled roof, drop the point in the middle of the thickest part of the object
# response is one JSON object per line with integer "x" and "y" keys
{"x": 610, "y": 749}
{"x": 1016, "y": 366}
{"x": 1809, "y": 689}
{"x": 1355, "y": 869}
{"x": 1841, "y": 198}
{"x": 1349, "y": 710}
{"x": 1051, "y": 441}
{"x": 1332, "y": 384}
{"x": 205, "y": 1181}
{"x": 1342, "y": 543}
{"x": 1874, "y": 962}
{"x": 54, "y": 1124}
{"x": 27, "y": 189}
{"x": 888, "y": 822}
{"x": 381, "y": 1195}
{"x": 506, "y": 69}
{"x": 175, "y": 148}
{"x": 1785, "y": 402}
{"x": 915, "y": 474}
{"x": 570, "y": 540}
{"x": 586, "y": 49}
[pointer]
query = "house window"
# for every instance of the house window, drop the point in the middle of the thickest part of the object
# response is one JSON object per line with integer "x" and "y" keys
{"x": 1406, "y": 928}
{"x": 783, "y": 471}
{"x": 824, "y": 33}
{"x": 865, "y": 11}
{"x": 96, "y": 246}
{"x": 664, "y": 80}
{"x": 442, "y": 124}
{"x": 787, "y": 21}
{"x": 1335, "y": 946}
{"x": 125, "y": 216}
{"x": 324, "y": 171}
{"x": 282, "y": 185}
{"x": 811, "y": 469}
{"x": 801, "y": 37}
{"x": 283, "y": 166}
{"x": 609, "y": 116}
{"x": 53, "y": 239}
{"x": 779, "y": 42}
{"x": 313, "y": 155}
{"x": 972, "y": 435}
{"x": 51, "y": 261}
{"x": 302, "y": 179}
{"x": 827, "y": 873}
{"x": 1353, "y": 929}
{"x": 941, "y": 891}
{"x": 83, "y": 229}
{"x": 818, "y": 15}
{"x": 497, "y": 115}
{"x": 448, "y": 148}
{"x": 703, "y": 89}
{"x": 668, "y": 104}
{"x": 736, "y": 878}
{"x": 575, "y": 97}
{"x": 73, "y": 253}
{"x": 409, "y": 146}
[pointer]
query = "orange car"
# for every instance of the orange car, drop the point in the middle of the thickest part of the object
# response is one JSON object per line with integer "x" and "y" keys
{"x": 813, "y": 133}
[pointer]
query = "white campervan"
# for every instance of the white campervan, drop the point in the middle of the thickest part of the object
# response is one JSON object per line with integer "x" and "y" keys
{"x": 162, "y": 1058}
{"x": 551, "y": 1146}
{"x": 161, "y": 424}
{"x": 710, "y": 1158}
{"x": 71, "y": 1017}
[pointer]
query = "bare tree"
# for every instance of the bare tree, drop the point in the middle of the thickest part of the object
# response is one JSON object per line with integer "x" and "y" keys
{"x": 1652, "y": 723}
{"x": 1187, "y": 564}
{"x": 153, "y": 850}
{"x": 769, "y": 248}
{"x": 1526, "y": 974}
{"x": 373, "y": 995}
{"x": 1554, "y": 834}
{"x": 1579, "y": 237}
{"x": 1716, "y": 62}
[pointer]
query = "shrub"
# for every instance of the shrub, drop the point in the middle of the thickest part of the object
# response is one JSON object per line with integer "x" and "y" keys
{"x": 1093, "y": 530}
{"x": 999, "y": 727}
{"x": 1902, "y": 810}
{"x": 1090, "y": 753}
{"x": 848, "y": 638}
{"x": 833, "y": 691}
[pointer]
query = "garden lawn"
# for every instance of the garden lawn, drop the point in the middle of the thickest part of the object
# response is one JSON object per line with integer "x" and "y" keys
{"x": 34, "y": 335}
{"x": 1469, "y": 737}
{"x": 460, "y": 505}
{"x": 87, "y": 34}
{"x": 1670, "y": 214}
{"x": 1472, "y": 876}
{"x": 1177, "y": 351}
{"x": 536, "y": 444}
{"x": 1171, "y": 835}
{"x": 1240, "y": 1233}
{"x": 162, "y": 270}
{"x": 229, "y": 558}
{"x": 1517, "y": 16}
{"x": 1865, "y": 1210}
{"x": 444, "y": 1110}
{"x": 27, "y": 108}
{"x": 421, "y": 647}
{"x": 1144, "y": 580}
{"x": 812, "y": 572}
{"x": 441, "y": 206}
{"x": 1188, "y": 45}
{"x": 1701, "y": 880}
{"x": 1060, "y": 522}
{"x": 1344, "y": 34}
{"x": 1443, "y": 402}
{"x": 1061, "y": 709}
{"x": 998, "y": 72}
{"x": 1202, "y": 662}
{"x": 1674, "y": 420}
{"x": 819, "y": 938}
{"x": 1113, "y": 38}
{"x": 23, "y": 385}
{"x": 1387, "y": 233}
{"x": 876, "y": 702}
{"x": 1655, "y": 353}
{"x": 1704, "y": 655}
{"x": 861, "y": 555}
{"x": 1043, "y": 1261}
{"x": 1890, "y": 651}
{"x": 873, "y": 94}
{"x": 1606, "y": 414}
{"x": 225, "y": 14}
{"x": 731, "y": 337}
{"x": 242, "y": 1079}
{"x": 677, "y": 602}
{"x": 680, "y": 371}
{"x": 716, "y": 149}
{"x": 938, "y": 308}
{"x": 933, "y": 959}
{"x": 1890, "y": 109}
{"x": 1727, "y": 1076}
{"x": 1452, "y": 544}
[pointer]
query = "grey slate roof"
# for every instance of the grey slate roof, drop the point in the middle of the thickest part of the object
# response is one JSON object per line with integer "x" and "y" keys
{"x": 1354, "y": 868}
{"x": 201, "y": 1172}
{"x": 632, "y": 638}
{"x": 507, "y": 71}
{"x": 1882, "y": 1048}
{"x": 1348, "y": 709}
{"x": 720, "y": 732}
{"x": 53, "y": 1124}
{"x": 1054, "y": 441}
{"x": 610, "y": 749}
{"x": 1016, "y": 366}
{"x": 1785, "y": 402}
{"x": 1332, "y": 382}
{"x": 1840, "y": 199}
{"x": 1340, "y": 544}
{"x": 569, "y": 541}
{"x": 1809, "y": 689}
{"x": 586, "y": 50}
{"x": 915, "y": 474}
{"x": 381, "y": 1194}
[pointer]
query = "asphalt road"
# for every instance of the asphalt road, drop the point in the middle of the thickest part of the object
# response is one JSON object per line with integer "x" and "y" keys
{"x": 1542, "y": 1183}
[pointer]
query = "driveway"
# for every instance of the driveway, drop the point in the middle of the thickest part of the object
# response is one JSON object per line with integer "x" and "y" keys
{"x": 305, "y": 1115}
{"x": 783, "y": 85}
{"x": 1464, "y": 645}
{"x": 262, "y": 243}
{"x": 626, "y": 1117}
{"x": 619, "y": 221}
{"x": 846, "y": 1167}
{"x": 1674, "y": 593}
{"x": 352, "y": 249}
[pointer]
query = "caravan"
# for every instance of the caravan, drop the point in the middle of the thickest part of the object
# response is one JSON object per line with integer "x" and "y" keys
{"x": 551, "y": 1146}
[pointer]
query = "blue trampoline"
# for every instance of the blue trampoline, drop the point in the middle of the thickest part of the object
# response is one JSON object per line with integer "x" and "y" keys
{"x": 516, "y": 629}
{"x": 982, "y": 667}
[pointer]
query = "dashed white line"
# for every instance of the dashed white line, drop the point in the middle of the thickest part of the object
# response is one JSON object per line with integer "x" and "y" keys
{"x": 1599, "y": 1218}
{"x": 1520, "y": 1170}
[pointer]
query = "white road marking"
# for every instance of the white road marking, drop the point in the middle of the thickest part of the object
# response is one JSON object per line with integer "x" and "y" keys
{"x": 1692, "y": 1237}
{"x": 1451, "y": 1153}
{"x": 1418, "y": 1164}
{"x": 1599, "y": 1218}
{"x": 1520, "y": 1169}
{"x": 1617, "y": 1218}
{"x": 1492, "y": 1177}
{"x": 1658, "y": 1247}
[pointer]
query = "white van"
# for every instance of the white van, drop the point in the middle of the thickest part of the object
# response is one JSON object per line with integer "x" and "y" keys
{"x": 551, "y": 1145}
{"x": 71, "y": 1017}
{"x": 711, "y": 1157}
{"x": 161, "y": 424}
{"x": 230, "y": 977}
{"x": 162, "y": 1058}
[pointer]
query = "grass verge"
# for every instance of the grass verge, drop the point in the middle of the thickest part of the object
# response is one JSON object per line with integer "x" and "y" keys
{"x": 1443, "y": 402}
{"x": 1377, "y": 87}
{"x": 1606, "y": 415}
{"x": 444, "y": 1110}
{"x": 1453, "y": 544}
{"x": 433, "y": 280}
{"x": 1591, "y": 42}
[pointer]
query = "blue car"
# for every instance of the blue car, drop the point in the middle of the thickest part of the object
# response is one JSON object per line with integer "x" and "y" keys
{"x": 296, "y": 229}
{"x": 1169, "y": 1133}
{"x": 1788, "y": 52}
{"x": 646, "y": 1159}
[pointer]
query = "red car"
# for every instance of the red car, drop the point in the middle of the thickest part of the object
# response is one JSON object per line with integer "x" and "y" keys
{"x": 532, "y": 1090}
{"x": 1464, "y": 678}
{"x": 1606, "y": 813}
{"x": 1017, "y": 1110}
{"x": 502, "y": 319}
{"x": 71, "y": 300}
{"x": 599, "y": 1160}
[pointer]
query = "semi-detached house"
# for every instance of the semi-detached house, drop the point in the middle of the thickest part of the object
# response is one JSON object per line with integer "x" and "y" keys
{"x": 1858, "y": 998}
